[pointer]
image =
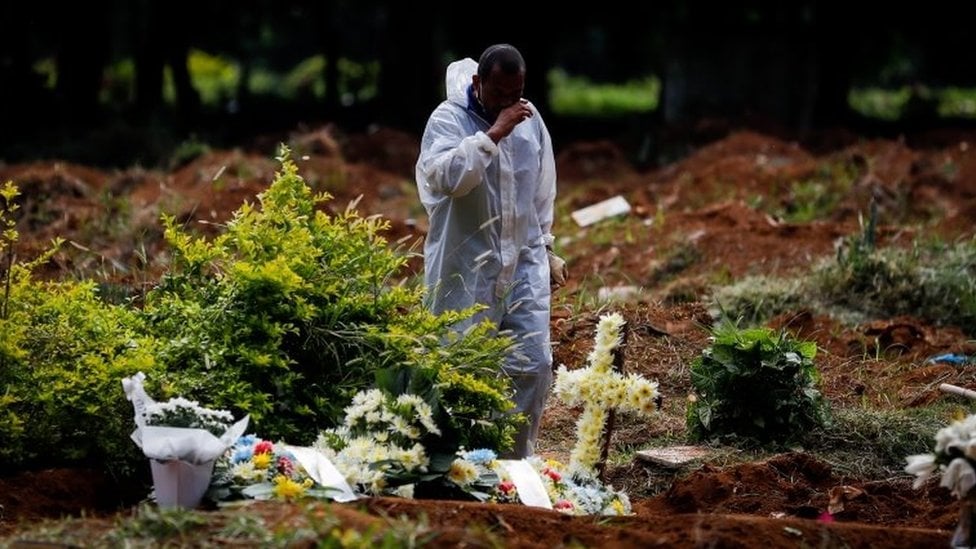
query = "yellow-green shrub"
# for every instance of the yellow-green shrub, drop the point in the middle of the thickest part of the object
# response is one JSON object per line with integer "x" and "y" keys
{"x": 291, "y": 311}
{"x": 63, "y": 353}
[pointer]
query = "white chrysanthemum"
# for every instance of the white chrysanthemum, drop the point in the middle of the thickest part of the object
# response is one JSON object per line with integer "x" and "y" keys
{"x": 175, "y": 403}
{"x": 412, "y": 458}
{"x": 400, "y": 425}
{"x": 462, "y": 472}
{"x": 601, "y": 360}
{"x": 378, "y": 484}
{"x": 378, "y": 452}
{"x": 404, "y": 491}
{"x": 353, "y": 413}
{"x": 922, "y": 466}
{"x": 243, "y": 471}
{"x": 363, "y": 403}
{"x": 647, "y": 407}
{"x": 426, "y": 416}
{"x": 410, "y": 399}
{"x": 589, "y": 432}
{"x": 357, "y": 448}
{"x": 565, "y": 384}
{"x": 959, "y": 477}
{"x": 617, "y": 391}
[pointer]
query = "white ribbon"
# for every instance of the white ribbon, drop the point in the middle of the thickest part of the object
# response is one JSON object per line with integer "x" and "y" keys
{"x": 531, "y": 490}
{"x": 135, "y": 392}
{"x": 323, "y": 472}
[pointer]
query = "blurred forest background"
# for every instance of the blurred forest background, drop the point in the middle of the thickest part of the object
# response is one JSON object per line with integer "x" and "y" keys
{"x": 121, "y": 82}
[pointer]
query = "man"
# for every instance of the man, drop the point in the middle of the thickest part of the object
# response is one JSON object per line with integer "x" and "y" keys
{"x": 487, "y": 178}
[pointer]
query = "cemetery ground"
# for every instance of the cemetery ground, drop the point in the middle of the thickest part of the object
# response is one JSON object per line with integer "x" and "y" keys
{"x": 742, "y": 205}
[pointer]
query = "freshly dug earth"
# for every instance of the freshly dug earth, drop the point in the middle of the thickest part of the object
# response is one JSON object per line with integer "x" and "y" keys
{"x": 719, "y": 203}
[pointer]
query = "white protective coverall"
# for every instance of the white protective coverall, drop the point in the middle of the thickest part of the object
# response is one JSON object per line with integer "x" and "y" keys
{"x": 490, "y": 210}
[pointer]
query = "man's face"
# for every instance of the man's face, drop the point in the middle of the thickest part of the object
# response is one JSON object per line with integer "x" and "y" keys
{"x": 500, "y": 90}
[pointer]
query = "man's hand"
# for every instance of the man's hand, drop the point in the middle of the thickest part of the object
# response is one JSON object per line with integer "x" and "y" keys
{"x": 508, "y": 118}
{"x": 558, "y": 272}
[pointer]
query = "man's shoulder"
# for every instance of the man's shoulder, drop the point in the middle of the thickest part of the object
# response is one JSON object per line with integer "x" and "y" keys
{"x": 450, "y": 110}
{"x": 451, "y": 106}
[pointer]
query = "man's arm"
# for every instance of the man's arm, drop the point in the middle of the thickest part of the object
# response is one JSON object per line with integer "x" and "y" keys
{"x": 451, "y": 163}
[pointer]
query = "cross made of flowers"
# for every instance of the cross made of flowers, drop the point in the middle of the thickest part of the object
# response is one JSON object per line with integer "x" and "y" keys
{"x": 601, "y": 389}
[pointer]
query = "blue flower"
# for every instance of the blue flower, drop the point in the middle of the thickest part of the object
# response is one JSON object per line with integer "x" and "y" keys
{"x": 246, "y": 440}
{"x": 481, "y": 456}
{"x": 242, "y": 453}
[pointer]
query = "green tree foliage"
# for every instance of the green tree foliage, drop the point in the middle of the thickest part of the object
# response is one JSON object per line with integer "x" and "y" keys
{"x": 755, "y": 385}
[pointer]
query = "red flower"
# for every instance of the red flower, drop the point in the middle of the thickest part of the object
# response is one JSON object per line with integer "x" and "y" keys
{"x": 285, "y": 466}
{"x": 553, "y": 474}
{"x": 506, "y": 487}
{"x": 263, "y": 447}
{"x": 563, "y": 504}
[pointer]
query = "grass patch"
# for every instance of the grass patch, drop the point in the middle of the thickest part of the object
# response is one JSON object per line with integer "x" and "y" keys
{"x": 872, "y": 444}
{"x": 934, "y": 281}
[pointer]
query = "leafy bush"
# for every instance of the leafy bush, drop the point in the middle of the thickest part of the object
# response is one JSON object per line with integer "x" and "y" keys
{"x": 290, "y": 312}
{"x": 755, "y": 384}
{"x": 63, "y": 353}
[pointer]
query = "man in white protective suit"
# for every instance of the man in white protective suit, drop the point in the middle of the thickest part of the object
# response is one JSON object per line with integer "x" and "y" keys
{"x": 487, "y": 178}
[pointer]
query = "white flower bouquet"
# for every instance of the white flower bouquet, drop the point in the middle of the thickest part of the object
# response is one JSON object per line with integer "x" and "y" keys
{"x": 954, "y": 457}
{"x": 182, "y": 441}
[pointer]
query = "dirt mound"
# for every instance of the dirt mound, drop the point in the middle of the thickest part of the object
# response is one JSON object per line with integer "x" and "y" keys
{"x": 719, "y": 214}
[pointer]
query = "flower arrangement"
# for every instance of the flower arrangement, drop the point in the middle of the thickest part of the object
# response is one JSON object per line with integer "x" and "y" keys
{"x": 599, "y": 388}
{"x": 479, "y": 473}
{"x": 180, "y": 412}
{"x": 954, "y": 457}
{"x": 179, "y": 429}
{"x": 392, "y": 442}
{"x": 260, "y": 469}
{"x": 573, "y": 494}
{"x": 379, "y": 447}
{"x": 182, "y": 441}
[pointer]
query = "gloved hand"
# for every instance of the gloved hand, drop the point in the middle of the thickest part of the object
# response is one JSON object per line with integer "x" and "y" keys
{"x": 558, "y": 273}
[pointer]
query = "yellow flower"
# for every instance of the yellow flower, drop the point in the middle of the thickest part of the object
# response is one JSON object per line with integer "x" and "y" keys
{"x": 555, "y": 464}
{"x": 262, "y": 461}
{"x": 286, "y": 488}
{"x": 618, "y": 507}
